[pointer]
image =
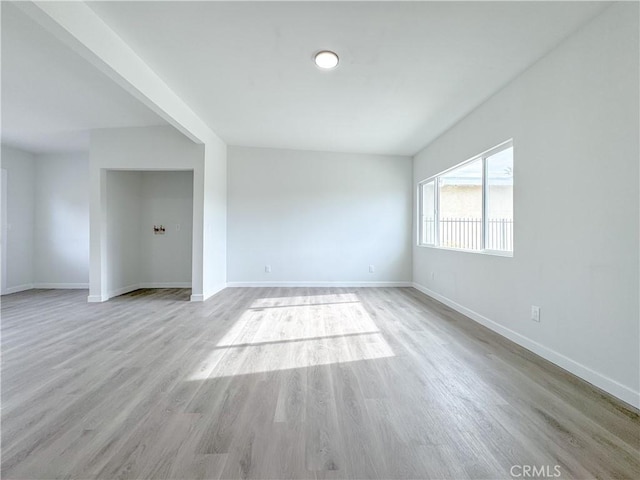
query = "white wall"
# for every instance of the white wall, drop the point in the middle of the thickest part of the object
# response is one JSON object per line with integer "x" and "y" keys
{"x": 61, "y": 230}
{"x": 136, "y": 257}
{"x": 123, "y": 231}
{"x": 574, "y": 120}
{"x": 318, "y": 217}
{"x": 159, "y": 148}
{"x": 214, "y": 246}
{"x": 166, "y": 198}
{"x": 20, "y": 208}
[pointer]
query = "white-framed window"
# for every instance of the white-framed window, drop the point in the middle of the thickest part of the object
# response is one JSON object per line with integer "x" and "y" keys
{"x": 470, "y": 206}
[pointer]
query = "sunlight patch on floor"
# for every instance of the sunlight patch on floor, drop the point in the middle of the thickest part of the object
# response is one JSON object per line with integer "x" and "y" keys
{"x": 296, "y": 332}
{"x": 318, "y": 299}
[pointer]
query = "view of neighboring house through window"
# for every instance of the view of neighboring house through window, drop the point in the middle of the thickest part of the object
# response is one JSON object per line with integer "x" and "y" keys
{"x": 499, "y": 200}
{"x": 470, "y": 207}
{"x": 460, "y": 207}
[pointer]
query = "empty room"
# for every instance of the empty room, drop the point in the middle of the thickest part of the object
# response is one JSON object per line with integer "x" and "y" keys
{"x": 320, "y": 240}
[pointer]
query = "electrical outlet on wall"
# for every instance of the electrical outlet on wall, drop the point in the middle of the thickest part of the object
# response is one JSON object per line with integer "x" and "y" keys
{"x": 372, "y": 268}
{"x": 535, "y": 313}
{"x": 267, "y": 269}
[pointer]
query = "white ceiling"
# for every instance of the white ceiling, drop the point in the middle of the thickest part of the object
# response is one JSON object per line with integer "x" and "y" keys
{"x": 408, "y": 70}
{"x": 52, "y": 97}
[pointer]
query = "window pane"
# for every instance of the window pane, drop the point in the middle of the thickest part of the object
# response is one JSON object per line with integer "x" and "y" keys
{"x": 460, "y": 207}
{"x": 428, "y": 236}
{"x": 500, "y": 201}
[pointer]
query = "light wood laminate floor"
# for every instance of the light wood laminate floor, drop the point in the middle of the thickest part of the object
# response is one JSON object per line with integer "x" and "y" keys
{"x": 289, "y": 383}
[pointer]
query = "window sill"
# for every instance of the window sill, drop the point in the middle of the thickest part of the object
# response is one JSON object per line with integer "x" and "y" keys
{"x": 495, "y": 253}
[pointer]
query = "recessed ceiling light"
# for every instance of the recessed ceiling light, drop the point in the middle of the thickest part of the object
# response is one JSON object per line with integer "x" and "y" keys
{"x": 326, "y": 60}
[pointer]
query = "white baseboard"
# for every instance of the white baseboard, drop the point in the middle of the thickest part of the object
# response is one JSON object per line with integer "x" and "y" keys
{"x": 18, "y": 288}
{"x": 56, "y": 286}
{"x": 97, "y": 298}
{"x": 607, "y": 384}
{"x": 62, "y": 286}
{"x": 319, "y": 284}
{"x": 209, "y": 294}
{"x": 165, "y": 285}
{"x": 202, "y": 298}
